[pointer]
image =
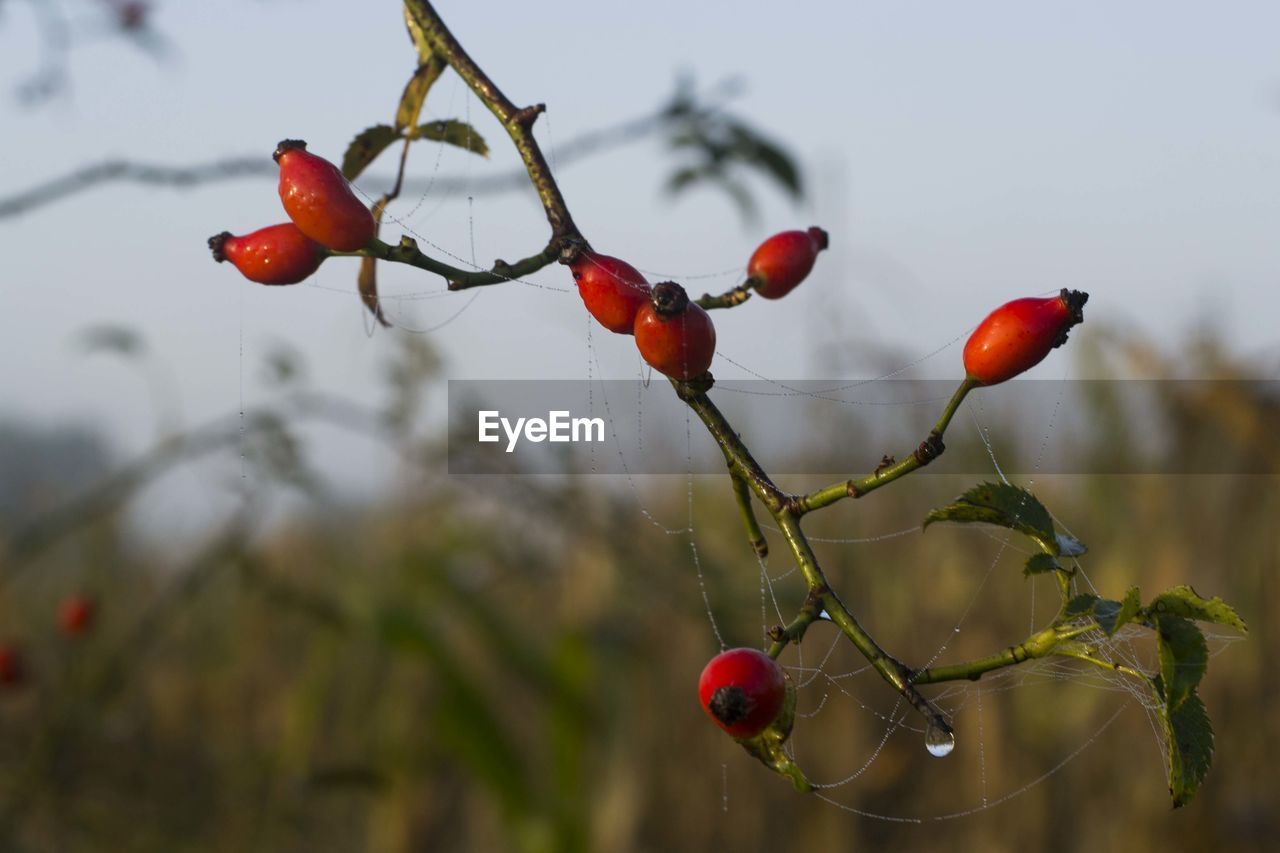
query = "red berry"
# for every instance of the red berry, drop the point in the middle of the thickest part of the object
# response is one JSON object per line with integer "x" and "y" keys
{"x": 675, "y": 335}
{"x": 783, "y": 261}
{"x": 75, "y": 615}
{"x": 320, "y": 201}
{"x": 1019, "y": 334}
{"x": 742, "y": 690}
{"x": 12, "y": 669}
{"x": 277, "y": 254}
{"x": 612, "y": 290}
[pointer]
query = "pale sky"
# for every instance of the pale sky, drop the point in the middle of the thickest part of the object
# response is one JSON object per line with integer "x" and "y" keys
{"x": 960, "y": 154}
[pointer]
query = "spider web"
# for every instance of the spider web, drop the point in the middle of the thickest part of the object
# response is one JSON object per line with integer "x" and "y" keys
{"x": 827, "y": 684}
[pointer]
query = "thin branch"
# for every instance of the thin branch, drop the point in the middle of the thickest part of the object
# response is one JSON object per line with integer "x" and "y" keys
{"x": 755, "y": 536}
{"x": 117, "y": 170}
{"x": 1038, "y": 645}
{"x": 518, "y": 122}
{"x": 928, "y": 450}
{"x": 728, "y": 299}
{"x": 780, "y": 505}
{"x": 407, "y": 252}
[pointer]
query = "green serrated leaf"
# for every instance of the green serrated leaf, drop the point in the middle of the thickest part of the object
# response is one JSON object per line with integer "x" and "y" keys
{"x": 418, "y": 36}
{"x": 1107, "y": 614}
{"x": 1189, "y": 735}
{"x": 415, "y": 93}
{"x": 1129, "y": 610}
{"x": 365, "y": 148}
{"x": 1184, "y": 656}
{"x": 453, "y": 132}
{"x": 1110, "y": 615}
{"x": 1003, "y": 505}
{"x": 1038, "y": 564}
{"x": 1081, "y": 605}
{"x": 1185, "y": 602}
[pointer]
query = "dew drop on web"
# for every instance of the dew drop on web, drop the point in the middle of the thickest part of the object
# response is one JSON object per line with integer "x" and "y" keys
{"x": 939, "y": 741}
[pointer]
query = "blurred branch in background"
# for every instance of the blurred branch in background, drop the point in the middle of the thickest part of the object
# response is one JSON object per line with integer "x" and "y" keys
{"x": 59, "y": 30}
{"x": 723, "y": 146}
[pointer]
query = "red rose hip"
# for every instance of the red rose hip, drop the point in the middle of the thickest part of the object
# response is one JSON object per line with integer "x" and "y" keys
{"x": 320, "y": 201}
{"x": 675, "y": 335}
{"x": 1019, "y": 334}
{"x": 613, "y": 290}
{"x": 784, "y": 260}
{"x": 277, "y": 254}
{"x": 13, "y": 670}
{"x": 76, "y": 614}
{"x": 742, "y": 690}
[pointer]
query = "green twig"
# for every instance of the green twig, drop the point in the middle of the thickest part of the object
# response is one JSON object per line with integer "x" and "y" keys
{"x": 407, "y": 252}
{"x": 755, "y": 536}
{"x": 518, "y": 123}
{"x": 928, "y": 450}
{"x": 728, "y": 299}
{"x": 1038, "y": 645}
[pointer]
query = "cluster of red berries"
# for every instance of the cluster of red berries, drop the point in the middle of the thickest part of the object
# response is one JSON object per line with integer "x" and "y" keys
{"x": 743, "y": 690}
{"x": 75, "y": 617}
{"x": 324, "y": 215}
{"x": 674, "y": 334}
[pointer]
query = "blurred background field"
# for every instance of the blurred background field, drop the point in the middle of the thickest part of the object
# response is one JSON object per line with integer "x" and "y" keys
{"x": 508, "y": 663}
{"x": 310, "y": 637}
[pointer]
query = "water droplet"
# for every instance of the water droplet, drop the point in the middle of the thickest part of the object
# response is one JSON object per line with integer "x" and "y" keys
{"x": 939, "y": 740}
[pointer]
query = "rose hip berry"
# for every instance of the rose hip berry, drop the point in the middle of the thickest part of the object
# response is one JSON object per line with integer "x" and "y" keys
{"x": 784, "y": 260}
{"x": 675, "y": 335}
{"x": 613, "y": 290}
{"x": 320, "y": 201}
{"x": 742, "y": 690}
{"x": 12, "y": 669}
{"x": 75, "y": 615}
{"x": 277, "y": 254}
{"x": 1019, "y": 334}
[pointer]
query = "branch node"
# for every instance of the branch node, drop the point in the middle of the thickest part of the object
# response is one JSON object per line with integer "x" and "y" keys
{"x": 694, "y": 387}
{"x": 528, "y": 115}
{"x": 570, "y": 249}
{"x": 930, "y": 449}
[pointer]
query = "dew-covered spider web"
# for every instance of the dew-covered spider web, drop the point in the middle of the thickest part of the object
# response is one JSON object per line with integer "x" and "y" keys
{"x": 852, "y": 729}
